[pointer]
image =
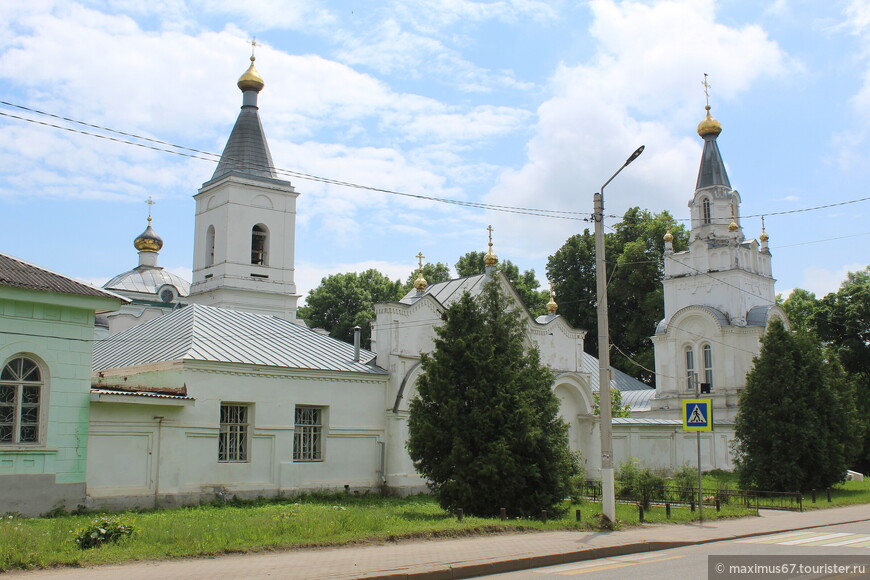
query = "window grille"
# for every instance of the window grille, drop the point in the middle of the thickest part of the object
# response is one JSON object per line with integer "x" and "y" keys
{"x": 20, "y": 394}
{"x": 308, "y": 434}
{"x": 233, "y": 437}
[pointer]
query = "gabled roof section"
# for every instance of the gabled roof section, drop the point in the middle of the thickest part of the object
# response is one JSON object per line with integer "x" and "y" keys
{"x": 16, "y": 273}
{"x": 618, "y": 379}
{"x": 712, "y": 171}
{"x": 206, "y": 333}
{"x": 247, "y": 152}
{"x": 448, "y": 292}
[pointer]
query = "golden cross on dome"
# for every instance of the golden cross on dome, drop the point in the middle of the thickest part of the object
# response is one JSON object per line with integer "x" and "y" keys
{"x": 420, "y": 257}
{"x": 150, "y": 202}
{"x": 253, "y": 46}
{"x": 706, "y": 86}
{"x": 551, "y": 288}
{"x": 489, "y": 229}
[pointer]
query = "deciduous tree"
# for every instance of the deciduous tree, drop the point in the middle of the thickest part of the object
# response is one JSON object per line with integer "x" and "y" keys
{"x": 343, "y": 301}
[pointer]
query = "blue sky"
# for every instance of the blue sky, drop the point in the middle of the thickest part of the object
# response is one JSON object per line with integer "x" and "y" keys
{"x": 511, "y": 102}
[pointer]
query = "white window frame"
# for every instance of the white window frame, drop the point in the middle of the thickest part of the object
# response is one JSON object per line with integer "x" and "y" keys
{"x": 308, "y": 430}
{"x": 234, "y": 435}
{"x": 18, "y": 409}
{"x": 691, "y": 375}
{"x": 707, "y": 361}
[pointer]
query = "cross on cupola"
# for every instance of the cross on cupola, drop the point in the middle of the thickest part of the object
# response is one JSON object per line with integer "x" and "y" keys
{"x": 420, "y": 283}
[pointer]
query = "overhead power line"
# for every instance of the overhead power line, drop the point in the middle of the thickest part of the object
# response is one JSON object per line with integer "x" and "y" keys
{"x": 193, "y": 153}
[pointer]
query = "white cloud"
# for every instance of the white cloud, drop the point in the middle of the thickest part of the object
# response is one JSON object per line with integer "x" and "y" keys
{"x": 822, "y": 281}
{"x": 641, "y": 87}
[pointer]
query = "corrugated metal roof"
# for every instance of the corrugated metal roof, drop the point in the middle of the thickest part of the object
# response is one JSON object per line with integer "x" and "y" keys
{"x": 672, "y": 422}
{"x": 141, "y": 394}
{"x": 17, "y": 273}
{"x": 206, "y": 333}
{"x": 147, "y": 280}
{"x": 448, "y": 292}
{"x": 618, "y": 379}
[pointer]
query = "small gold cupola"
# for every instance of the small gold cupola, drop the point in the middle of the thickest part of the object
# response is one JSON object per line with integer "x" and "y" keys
{"x": 709, "y": 126}
{"x": 551, "y": 305}
{"x": 490, "y": 260}
{"x": 148, "y": 241}
{"x": 251, "y": 80}
{"x": 420, "y": 283}
{"x": 763, "y": 237}
{"x": 668, "y": 237}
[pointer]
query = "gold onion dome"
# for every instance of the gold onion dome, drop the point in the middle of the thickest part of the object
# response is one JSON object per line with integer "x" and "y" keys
{"x": 709, "y": 126}
{"x": 490, "y": 259}
{"x": 764, "y": 237}
{"x": 251, "y": 80}
{"x": 148, "y": 241}
{"x": 669, "y": 237}
{"x": 420, "y": 283}
{"x": 732, "y": 227}
{"x": 551, "y": 305}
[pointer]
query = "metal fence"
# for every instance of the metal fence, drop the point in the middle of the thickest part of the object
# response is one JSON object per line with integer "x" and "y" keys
{"x": 677, "y": 495}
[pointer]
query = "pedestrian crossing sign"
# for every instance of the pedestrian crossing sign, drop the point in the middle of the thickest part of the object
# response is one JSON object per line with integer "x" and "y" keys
{"x": 697, "y": 415}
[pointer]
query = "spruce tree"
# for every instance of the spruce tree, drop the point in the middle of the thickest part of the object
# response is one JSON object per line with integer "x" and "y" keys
{"x": 484, "y": 428}
{"x": 793, "y": 425}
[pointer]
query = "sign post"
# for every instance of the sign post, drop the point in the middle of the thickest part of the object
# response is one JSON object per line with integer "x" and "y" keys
{"x": 698, "y": 416}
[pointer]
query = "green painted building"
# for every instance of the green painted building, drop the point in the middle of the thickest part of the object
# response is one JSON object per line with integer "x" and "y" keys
{"x": 46, "y": 346}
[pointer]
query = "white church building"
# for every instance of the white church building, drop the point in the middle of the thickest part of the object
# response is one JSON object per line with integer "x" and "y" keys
{"x": 214, "y": 388}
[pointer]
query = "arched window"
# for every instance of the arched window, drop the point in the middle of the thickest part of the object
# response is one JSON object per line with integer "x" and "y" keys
{"x": 259, "y": 245}
{"x": 705, "y": 211}
{"x": 21, "y": 391}
{"x": 209, "y": 247}
{"x": 691, "y": 376}
{"x": 708, "y": 365}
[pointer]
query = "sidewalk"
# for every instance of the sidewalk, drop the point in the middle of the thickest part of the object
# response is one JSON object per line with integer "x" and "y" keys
{"x": 455, "y": 558}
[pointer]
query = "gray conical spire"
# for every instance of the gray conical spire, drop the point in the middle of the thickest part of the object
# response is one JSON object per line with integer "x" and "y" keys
{"x": 712, "y": 171}
{"x": 247, "y": 152}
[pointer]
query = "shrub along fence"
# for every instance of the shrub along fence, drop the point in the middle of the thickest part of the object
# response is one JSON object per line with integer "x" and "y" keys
{"x": 679, "y": 495}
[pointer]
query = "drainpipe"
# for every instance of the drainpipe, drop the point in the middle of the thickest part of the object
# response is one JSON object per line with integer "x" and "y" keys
{"x": 356, "y": 330}
{"x": 157, "y": 460}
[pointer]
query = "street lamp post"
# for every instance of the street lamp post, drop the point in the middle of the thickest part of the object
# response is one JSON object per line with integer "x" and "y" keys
{"x": 608, "y": 495}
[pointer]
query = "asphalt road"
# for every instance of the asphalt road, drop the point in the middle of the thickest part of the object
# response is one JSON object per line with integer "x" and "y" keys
{"x": 773, "y": 556}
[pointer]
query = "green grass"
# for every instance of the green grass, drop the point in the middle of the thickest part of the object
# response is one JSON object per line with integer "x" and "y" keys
{"x": 319, "y": 520}
{"x": 306, "y": 521}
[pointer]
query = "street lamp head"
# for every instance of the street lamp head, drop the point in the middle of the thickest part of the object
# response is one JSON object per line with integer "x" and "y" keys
{"x": 635, "y": 155}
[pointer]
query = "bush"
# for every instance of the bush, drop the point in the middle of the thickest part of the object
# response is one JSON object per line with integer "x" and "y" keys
{"x": 686, "y": 480}
{"x": 578, "y": 477}
{"x": 102, "y": 530}
{"x": 640, "y": 484}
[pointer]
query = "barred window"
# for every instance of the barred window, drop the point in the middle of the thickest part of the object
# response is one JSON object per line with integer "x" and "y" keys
{"x": 308, "y": 434}
{"x": 21, "y": 389}
{"x": 233, "y": 437}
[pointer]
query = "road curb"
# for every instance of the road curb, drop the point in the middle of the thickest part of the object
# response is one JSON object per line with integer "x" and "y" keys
{"x": 513, "y": 565}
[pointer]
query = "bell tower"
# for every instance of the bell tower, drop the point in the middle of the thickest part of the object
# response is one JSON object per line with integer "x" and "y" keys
{"x": 719, "y": 295}
{"x": 245, "y": 228}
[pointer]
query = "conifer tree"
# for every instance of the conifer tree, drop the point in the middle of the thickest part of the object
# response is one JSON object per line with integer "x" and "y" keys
{"x": 484, "y": 428}
{"x": 794, "y": 420}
